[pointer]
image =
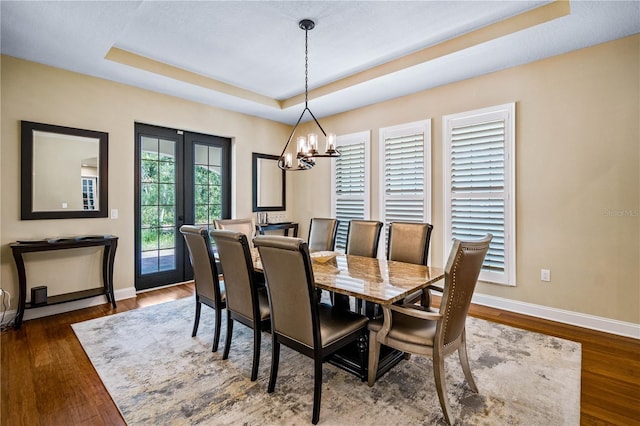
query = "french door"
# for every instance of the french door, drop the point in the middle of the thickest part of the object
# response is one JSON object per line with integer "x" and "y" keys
{"x": 181, "y": 177}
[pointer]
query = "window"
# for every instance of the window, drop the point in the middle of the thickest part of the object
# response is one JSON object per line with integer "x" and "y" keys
{"x": 351, "y": 183}
{"x": 405, "y": 178}
{"x": 479, "y": 185}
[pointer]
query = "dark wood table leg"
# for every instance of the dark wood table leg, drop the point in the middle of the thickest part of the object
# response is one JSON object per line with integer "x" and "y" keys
{"x": 22, "y": 291}
{"x": 108, "y": 259}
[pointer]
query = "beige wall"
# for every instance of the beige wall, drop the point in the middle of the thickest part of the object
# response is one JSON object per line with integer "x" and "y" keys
{"x": 43, "y": 94}
{"x": 577, "y": 173}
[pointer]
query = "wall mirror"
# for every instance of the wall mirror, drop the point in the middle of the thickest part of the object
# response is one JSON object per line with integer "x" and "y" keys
{"x": 269, "y": 190}
{"x": 64, "y": 172}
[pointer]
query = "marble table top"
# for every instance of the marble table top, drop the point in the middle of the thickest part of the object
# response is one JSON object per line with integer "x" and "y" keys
{"x": 375, "y": 280}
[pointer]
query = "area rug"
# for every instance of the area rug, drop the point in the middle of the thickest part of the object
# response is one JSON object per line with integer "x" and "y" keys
{"x": 158, "y": 374}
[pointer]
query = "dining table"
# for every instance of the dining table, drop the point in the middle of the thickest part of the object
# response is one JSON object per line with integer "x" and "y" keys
{"x": 376, "y": 282}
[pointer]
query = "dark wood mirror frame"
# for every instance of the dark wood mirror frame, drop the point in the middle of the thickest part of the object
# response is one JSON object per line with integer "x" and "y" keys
{"x": 27, "y": 172}
{"x": 257, "y": 184}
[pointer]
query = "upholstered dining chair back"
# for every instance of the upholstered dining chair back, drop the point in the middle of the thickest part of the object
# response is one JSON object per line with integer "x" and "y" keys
{"x": 235, "y": 258}
{"x": 208, "y": 288}
{"x": 203, "y": 262}
{"x": 247, "y": 300}
{"x": 363, "y": 237}
{"x": 409, "y": 242}
{"x": 322, "y": 234}
{"x": 246, "y": 225}
{"x": 288, "y": 272}
{"x": 461, "y": 275}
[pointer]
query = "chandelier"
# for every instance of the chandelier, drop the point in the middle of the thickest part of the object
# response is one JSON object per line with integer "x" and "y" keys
{"x": 307, "y": 147}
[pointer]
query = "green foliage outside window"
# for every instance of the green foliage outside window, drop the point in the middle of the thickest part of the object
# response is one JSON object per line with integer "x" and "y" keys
{"x": 158, "y": 199}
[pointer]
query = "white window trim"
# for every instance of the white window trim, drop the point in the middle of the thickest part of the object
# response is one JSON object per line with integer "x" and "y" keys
{"x": 412, "y": 128}
{"x": 507, "y": 113}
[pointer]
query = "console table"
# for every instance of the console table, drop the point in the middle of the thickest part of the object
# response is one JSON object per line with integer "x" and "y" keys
{"x": 18, "y": 248}
{"x": 261, "y": 227}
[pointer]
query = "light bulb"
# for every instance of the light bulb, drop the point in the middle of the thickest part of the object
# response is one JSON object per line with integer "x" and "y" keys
{"x": 313, "y": 143}
{"x": 302, "y": 146}
{"x": 331, "y": 143}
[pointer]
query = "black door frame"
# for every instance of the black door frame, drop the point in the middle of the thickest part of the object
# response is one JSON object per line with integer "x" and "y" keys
{"x": 184, "y": 200}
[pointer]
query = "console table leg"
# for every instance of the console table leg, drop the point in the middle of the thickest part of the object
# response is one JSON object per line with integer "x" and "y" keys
{"x": 108, "y": 272}
{"x": 22, "y": 291}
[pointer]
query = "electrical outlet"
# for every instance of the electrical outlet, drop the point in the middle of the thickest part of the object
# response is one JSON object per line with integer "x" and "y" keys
{"x": 545, "y": 275}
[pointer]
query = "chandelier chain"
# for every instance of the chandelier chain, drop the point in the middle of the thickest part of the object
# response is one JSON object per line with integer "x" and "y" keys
{"x": 306, "y": 67}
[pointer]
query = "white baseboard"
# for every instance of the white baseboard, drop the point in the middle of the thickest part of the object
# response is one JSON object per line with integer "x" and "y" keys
{"x": 567, "y": 317}
{"x": 46, "y": 311}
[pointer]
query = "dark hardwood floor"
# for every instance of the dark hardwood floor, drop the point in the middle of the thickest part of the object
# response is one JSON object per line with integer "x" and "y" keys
{"x": 48, "y": 380}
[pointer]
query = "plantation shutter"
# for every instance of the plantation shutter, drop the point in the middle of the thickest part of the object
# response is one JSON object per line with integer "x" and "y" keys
{"x": 406, "y": 196}
{"x": 350, "y": 183}
{"x": 477, "y": 187}
{"x": 404, "y": 178}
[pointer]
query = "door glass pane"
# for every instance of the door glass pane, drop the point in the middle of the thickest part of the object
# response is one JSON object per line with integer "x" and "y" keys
{"x": 207, "y": 184}
{"x": 157, "y": 210}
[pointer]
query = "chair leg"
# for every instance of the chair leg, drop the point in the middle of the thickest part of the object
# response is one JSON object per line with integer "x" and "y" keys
{"x": 317, "y": 390}
{"x": 438, "y": 373}
{"x": 196, "y": 322}
{"x": 464, "y": 361}
{"x": 216, "y": 335}
{"x": 275, "y": 359}
{"x": 374, "y": 356}
{"x": 256, "y": 351}
{"x": 227, "y": 342}
{"x": 425, "y": 298}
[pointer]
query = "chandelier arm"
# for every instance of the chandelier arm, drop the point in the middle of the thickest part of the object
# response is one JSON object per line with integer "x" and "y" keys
{"x": 293, "y": 131}
{"x": 317, "y": 123}
{"x": 281, "y": 160}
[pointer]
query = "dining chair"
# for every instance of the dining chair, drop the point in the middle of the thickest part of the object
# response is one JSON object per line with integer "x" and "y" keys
{"x": 409, "y": 243}
{"x": 363, "y": 238}
{"x": 298, "y": 321}
{"x": 322, "y": 234}
{"x": 417, "y": 330}
{"x": 246, "y": 225}
{"x": 247, "y": 301}
{"x": 209, "y": 289}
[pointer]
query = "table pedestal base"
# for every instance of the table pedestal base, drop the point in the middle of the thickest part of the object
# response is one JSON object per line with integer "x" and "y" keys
{"x": 355, "y": 361}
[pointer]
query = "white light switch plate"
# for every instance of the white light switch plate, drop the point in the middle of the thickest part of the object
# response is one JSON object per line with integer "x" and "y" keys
{"x": 114, "y": 213}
